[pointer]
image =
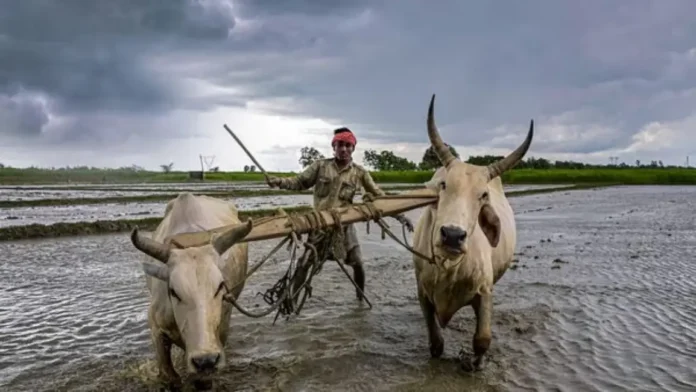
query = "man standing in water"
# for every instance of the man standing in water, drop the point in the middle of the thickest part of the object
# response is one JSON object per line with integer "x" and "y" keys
{"x": 335, "y": 181}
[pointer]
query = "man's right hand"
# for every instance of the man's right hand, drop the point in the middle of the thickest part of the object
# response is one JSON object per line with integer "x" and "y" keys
{"x": 273, "y": 181}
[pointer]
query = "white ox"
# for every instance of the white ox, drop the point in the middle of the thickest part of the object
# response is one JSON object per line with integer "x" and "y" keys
{"x": 188, "y": 286}
{"x": 472, "y": 231}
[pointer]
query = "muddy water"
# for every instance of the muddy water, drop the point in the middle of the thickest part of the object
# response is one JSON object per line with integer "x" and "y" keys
{"x": 35, "y": 192}
{"x": 615, "y": 312}
{"x": 31, "y": 192}
{"x": 108, "y": 211}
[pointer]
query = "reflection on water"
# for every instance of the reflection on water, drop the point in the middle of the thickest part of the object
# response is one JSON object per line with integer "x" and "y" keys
{"x": 601, "y": 299}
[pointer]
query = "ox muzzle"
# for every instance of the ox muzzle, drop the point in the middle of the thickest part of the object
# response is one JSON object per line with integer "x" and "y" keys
{"x": 452, "y": 238}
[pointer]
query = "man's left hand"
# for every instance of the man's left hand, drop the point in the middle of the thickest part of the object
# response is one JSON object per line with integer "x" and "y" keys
{"x": 403, "y": 219}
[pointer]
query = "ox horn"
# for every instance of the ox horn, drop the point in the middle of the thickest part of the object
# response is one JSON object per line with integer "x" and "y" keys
{"x": 149, "y": 246}
{"x": 441, "y": 150}
{"x": 497, "y": 168}
{"x": 227, "y": 239}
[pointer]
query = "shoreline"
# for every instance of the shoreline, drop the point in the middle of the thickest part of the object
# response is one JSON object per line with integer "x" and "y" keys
{"x": 72, "y": 229}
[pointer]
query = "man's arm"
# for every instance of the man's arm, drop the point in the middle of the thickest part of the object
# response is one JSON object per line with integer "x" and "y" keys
{"x": 305, "y": 180}
{"x": 371, "y": 187}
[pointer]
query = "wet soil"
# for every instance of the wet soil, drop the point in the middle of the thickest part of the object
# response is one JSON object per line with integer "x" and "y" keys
{"x": 107, "y": 208}
{"x": 601, "y": 299}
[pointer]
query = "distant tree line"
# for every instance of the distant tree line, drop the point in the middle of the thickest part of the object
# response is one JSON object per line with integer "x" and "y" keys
{"x": 386, "y": 160}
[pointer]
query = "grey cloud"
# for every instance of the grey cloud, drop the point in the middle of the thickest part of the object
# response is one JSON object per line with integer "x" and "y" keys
{"x": 497, "y": 64}
{"x": 91, "y": 57}
{"x": 23, "y": 115}
{"x": 592, "y": 71}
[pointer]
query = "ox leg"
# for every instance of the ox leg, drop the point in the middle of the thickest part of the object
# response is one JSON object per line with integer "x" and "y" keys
{"x": 163, "y": 350}
{"x": 483, "y": 307}
{"x": 437, "y": 343}
{"x": 354, "y": 260}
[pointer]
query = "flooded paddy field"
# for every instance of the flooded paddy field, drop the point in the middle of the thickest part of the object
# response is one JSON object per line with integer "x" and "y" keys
{"x": 34, "y": 192}
{"x": 109, "y": 211}
{"x": 601, "y": 299}
{"x": 19, "y": 216}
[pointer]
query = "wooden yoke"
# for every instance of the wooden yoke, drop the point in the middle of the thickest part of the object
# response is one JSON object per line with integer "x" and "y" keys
{"x": 283, "y": 225}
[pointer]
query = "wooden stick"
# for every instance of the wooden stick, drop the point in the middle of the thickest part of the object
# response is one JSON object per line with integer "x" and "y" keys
{"x": 279, "y": 227}
{"x": 245, "y": 150}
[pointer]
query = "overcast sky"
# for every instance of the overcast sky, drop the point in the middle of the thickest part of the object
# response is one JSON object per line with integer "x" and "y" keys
{"x": 148, "y": 82}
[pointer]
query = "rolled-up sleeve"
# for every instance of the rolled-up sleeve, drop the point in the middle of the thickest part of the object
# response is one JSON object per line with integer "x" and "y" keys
{"x": 305, "y": 180}
{"x": 369, "y": 184}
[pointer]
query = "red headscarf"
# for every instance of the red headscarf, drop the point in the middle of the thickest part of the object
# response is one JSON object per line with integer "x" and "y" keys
{"x": 347, "y": 137}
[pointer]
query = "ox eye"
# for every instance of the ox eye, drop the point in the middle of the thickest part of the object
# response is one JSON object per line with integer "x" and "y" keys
{"x": 443, "y": 186}
{"x": 219, "y": 289}
{"x": 173, "y": 294}
{"x": 484, "y": 195}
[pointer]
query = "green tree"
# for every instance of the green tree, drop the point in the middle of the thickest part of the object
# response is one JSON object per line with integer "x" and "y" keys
{"x": 387, "y": 161}
{"x": 430, "y": 161}
{"x": 483, "y": 160}
{"x": 309, "y": 155}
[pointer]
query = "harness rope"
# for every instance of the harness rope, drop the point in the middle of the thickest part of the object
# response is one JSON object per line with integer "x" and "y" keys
{"x": 323, "y": 242}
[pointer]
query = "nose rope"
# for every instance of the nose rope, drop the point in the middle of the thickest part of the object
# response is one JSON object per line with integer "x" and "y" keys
{"x": 435, "y": 258}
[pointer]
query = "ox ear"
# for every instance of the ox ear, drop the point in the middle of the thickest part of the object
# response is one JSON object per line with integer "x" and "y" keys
{"x": 490, "y": 224}
{"x": 159, "y": 271}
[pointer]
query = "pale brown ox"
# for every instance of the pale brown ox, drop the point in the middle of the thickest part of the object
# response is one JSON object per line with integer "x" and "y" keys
{"x": 471, "y": 232}
{"x": 188, "y": 287}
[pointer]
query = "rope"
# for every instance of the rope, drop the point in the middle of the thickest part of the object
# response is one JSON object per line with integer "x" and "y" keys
{"x": 324, "y": 241}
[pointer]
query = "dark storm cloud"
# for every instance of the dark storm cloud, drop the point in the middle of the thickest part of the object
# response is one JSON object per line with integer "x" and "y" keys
{"x": 88, "y": 56}
{"x": 23, "y": 116}
{"x": 592, "y": 74}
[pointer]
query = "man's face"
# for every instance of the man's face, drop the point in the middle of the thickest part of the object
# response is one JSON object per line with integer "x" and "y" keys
{"x": 343, "y": 151}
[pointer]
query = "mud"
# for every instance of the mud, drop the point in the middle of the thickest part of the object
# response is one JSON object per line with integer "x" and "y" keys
{"x": 38, "y": 192}
{"x": 34, "y": 193}
{"x": 19, "y": 216}
{"x": 111, "y": 211}
{"x": 617, "y": 315}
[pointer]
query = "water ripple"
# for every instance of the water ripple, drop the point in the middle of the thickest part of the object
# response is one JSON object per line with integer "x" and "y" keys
{"x": 601, "y": 299}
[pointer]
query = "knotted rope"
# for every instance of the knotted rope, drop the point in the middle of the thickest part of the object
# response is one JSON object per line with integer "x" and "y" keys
{"x": 324, "y": 241}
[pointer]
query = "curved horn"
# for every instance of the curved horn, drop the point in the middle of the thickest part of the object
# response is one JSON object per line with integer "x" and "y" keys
{"x": 227, "y": 239}
{"x": 441, "y": 150}
{"x": 497, "y": 168}
{"x": 149, "y": 246}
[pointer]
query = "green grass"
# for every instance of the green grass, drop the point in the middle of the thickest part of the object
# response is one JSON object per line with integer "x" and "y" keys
{"x": 625, "y": 176}
{"x": 606, "y": 175}
{"x": 65, "y": 229}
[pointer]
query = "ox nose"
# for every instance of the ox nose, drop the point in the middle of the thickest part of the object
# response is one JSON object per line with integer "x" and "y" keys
{"x": 205, "y": 362}
{"x": 452, "y": 236}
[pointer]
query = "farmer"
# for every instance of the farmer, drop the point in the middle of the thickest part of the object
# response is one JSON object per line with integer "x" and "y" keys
{"x": 335, "y": 181}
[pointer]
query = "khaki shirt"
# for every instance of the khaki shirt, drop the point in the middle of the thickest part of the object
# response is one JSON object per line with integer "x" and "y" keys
{"x": 333, "y": 187}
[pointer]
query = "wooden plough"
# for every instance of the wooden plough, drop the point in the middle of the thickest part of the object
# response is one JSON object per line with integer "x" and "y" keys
{"x": 282, "y": 225}
{"x": 283, "y": 295}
